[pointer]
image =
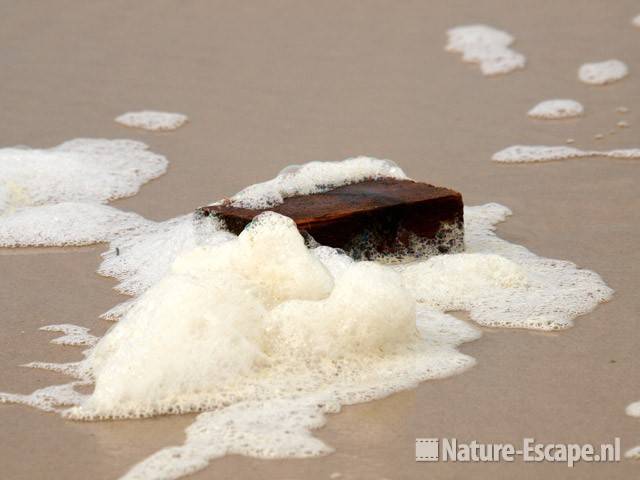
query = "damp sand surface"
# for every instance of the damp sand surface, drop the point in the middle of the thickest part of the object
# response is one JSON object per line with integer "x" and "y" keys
{"x": 254, "y": 111}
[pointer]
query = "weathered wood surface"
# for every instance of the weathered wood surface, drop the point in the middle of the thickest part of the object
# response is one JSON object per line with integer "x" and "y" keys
{"x": 370, "y": 218}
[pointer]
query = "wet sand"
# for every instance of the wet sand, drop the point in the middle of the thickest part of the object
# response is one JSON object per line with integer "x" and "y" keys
{"x": 267, "y": 84}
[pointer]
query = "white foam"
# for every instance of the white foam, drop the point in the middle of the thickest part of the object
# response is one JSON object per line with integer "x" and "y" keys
{"x": 602, "y": 73}
{"x": 81, "y": 170}
{"x": 633, "y": 453}
{"x": 152, "y": 120}
{"x": 505, "y": 285}
{"x": 68, "y": 223}
{"x": 557, "y": 108}
{"x": 142, "y": 257}
{"x": 54, "y": 398}
{"x": 73, "y": 335}
{"x": 54, "y": 196}
{"x": 271, "y": 429}
{"x": 636, "y": 21}
{"x": 315, "y": 177}
{"x": 545, "y": 153}
{"x": 260, "y": 300}
{"x": 280, "y": 427}
{"x": 633, "y": 409}
{"x": 486, "y": 46}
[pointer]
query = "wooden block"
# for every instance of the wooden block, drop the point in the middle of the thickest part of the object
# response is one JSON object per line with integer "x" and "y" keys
{"x": 370, "y": 219}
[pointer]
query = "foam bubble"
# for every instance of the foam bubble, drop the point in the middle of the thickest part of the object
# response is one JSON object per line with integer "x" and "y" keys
{"x": 53, "y": 196}
{"x": 601, "y": 73}
{"x": 315, "y": 177}
{"x": 545, "y": 153}
{"x": 486, "y": 46}
{"x": 152, "y": 120}
{"x": 557, "y": 108}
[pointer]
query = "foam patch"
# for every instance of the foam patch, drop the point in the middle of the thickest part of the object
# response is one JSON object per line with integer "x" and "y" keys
{"x": 140, "y": 258}
{"x": 504, "y": 285}
{"x": 73, "y": 335}
{"x": 64, "y": 224}
{"x": 555, "y": 109}
{"x": 487, "y": 46}
{"x": 633, "y": 410}
{"x": 81, "y": 170}
{"x": 315, "y": 177}
{"x": 152, "y": 120}
{"x": 53, "y": 196}
{"x": 602, "y": 73}
{"x": 545, "y": 153}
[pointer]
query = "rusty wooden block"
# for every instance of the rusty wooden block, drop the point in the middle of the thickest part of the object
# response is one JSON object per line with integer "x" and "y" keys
{"x": 370, "y": 219}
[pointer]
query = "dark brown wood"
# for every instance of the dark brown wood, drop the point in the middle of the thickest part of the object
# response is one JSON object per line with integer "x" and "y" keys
{"x": 369, "y": 219}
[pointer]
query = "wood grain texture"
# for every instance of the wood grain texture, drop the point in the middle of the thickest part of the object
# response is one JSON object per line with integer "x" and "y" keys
{"x": 368, "y": 219}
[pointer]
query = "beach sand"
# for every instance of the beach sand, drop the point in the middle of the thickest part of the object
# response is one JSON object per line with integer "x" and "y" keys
{"x": 267, "y": 84}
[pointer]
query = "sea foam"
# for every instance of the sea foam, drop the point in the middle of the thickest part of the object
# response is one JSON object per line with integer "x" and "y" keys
{"x": 633, "y": 410}
{"x": 152, "y": 120}
{"x": 486, "y": 46}
{"x": 267, "y": 335}
{"x": 54, "y": 196}
{"x": 72, "y": 335}
{"x": 314, "y": 177}
{"x": 546, "y": 153}
{"x": 602, "y": 73}
{"x": 557, "y": 108}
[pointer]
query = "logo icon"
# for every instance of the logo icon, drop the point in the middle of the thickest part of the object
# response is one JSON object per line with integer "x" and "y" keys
{"x": 427, "y": 449}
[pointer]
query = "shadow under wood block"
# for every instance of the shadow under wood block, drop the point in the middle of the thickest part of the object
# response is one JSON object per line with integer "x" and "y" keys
{"x": 390, "y": 218}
